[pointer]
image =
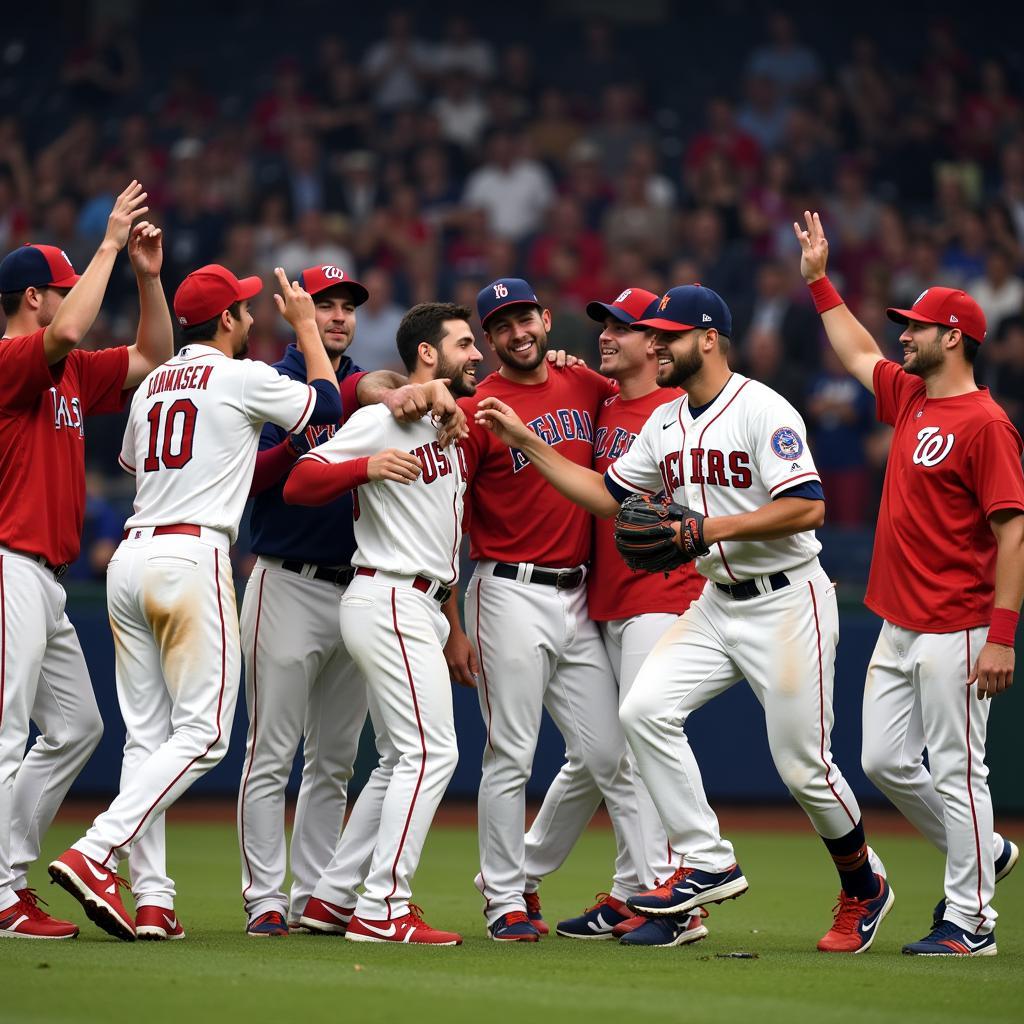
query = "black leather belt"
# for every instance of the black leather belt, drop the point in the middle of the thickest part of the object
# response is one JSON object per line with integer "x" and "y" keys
{"x": 747, "y": 589}
{"x": 339, "y": 574}
{"x": 565, "y": 579}
{"x": 424, "y": 584}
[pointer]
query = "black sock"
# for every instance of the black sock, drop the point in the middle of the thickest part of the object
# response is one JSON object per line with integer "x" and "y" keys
{"x": 850, "y": 855}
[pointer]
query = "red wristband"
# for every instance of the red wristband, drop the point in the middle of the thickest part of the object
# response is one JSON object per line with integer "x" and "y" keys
{"x": 824, "y": 294}
{"x": 1004, "y": 627}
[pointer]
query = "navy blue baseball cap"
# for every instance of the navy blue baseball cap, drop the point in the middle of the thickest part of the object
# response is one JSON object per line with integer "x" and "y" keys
{"x": 506, "y": 291}
{"x": 685, "y": 307}
{"x": 630, "y": 305}
{"x": 36, "y": 266}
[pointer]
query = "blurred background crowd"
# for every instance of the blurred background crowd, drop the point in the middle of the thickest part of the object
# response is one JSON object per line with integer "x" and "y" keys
{"x": 430, "y": 150}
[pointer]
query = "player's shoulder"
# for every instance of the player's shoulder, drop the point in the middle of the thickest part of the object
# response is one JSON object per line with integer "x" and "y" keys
{"x": 755, "y": 399}
{"x": 370, "y": 415}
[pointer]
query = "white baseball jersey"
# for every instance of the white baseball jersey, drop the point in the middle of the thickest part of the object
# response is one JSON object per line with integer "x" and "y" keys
{"x": 391, "y": 518}
{"x": 736, "y": 456}
{"x": 200, "y": 416}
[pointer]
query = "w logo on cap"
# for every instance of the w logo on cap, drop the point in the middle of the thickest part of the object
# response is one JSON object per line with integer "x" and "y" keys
{"x": 333, "y": 273}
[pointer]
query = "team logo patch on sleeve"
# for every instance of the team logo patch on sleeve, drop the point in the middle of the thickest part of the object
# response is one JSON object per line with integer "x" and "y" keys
{"x": 787, "y": 444}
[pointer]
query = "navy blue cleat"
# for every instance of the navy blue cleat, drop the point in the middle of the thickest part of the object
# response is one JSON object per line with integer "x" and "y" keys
{"x": 951, "y": 940}
{"x": 666, "y": 931}
{"x": 513, "y": 927}
{"x": 268, "y": 925}
{"x": 1005, "y": 863}
{"x": 595, "y": 922}
{"x": 689, "y": 888}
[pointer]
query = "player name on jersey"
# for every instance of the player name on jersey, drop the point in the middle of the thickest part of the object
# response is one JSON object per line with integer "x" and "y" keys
{"x": 178, "y": 379}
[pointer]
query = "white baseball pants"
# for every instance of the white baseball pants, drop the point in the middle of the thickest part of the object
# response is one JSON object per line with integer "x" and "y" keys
{"x": 172, "y": 610}
{"x": 43, "y": 679}
{"x": 538, "y": 649}
{"x": 300, "y": 684}
{"x": 916, "y": 696}
{"x": 784, "y": 644}
{"x": 396, "y": 636}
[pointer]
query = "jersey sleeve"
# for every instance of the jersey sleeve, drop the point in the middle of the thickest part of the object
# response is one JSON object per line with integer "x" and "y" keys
{"x": 363, "y": 434}
{"x": 993, "y": 468}
{"x": 271, "y": 397}
{"x": 101, "y": 377}
{"x": 639, "y": 470}
{"x": 893, "y": 386}
{"x": 778, "y": 441}
{"x": 24, "y": 372}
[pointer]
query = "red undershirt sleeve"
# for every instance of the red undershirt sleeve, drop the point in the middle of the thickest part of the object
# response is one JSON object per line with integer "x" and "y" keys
{"x": 316, "y": 482}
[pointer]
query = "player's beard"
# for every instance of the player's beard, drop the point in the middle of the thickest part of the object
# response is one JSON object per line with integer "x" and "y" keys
{"x": 684, "y": 366}
{"x": 927, "y": 358}
{"x": 531, "y": 362}
{"x": 461, "y": 386}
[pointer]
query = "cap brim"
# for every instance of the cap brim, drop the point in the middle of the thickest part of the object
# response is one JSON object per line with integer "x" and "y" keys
{"x": 659, "y": 325}
{"x": 506, "y": 305}
{"x": 248, "y": 287}
{"x": 600, "y": 311}
{"x": 359, "y": 291}
{"x": 903, "y": 316}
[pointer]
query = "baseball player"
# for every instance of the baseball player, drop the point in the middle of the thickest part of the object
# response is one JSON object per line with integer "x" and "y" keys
{"x": 531, "y": 546}
{"x": 632, "y": 611}
{"x": 299, "y": 679}
{"x": 734, "y": 449}
{"x": 191, "y": 442}
{"x": 408, "y": 526}
{"x": 48, "y": 387}
{"x": 947, "y": 577}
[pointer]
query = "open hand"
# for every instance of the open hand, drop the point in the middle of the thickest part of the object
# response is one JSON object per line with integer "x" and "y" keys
{"x": 813, "y": 247}
{"x": 127, "y": 206}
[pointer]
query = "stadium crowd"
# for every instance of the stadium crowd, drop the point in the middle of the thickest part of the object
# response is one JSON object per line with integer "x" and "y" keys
{"x": 440, "y": 155}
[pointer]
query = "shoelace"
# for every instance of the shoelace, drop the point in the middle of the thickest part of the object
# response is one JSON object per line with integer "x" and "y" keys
{"x": 946, "y": 930}
{"x": 516, "y": 917}
{"x": 416, "y": 915}
{"x": 532, "y": 903}
{"x": 602, "y": 898}
{"x": 848, "y": 912}
{"x": 30, "y": 901}
{"x": 278, "y": 918}
{"x": 664, "y": 889}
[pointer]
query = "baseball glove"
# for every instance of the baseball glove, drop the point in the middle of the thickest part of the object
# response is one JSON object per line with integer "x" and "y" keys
{"x": 646, "y": 539}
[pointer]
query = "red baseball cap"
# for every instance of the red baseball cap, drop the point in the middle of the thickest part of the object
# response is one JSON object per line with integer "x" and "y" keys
{"x": 208, "y": 291}
{"x": 628, "y": 307}
{"x": 948, "y": 307}
{"x": 319, "y": 279}
{"x": 36, "y": 266}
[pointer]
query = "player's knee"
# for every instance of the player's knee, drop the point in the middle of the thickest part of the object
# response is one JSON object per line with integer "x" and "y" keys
{"x": 512, "y": 762}
{"x": 77, "y": 738}
{"x": 879, "y": 767}
{"x": 640, "y": 713}
{"x": 800, "y": 775}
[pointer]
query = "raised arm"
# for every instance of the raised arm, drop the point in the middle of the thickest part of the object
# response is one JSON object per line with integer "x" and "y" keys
{"x": 581, "y": 486}
{"x": 857, "y": 350}
{"x": 154, "y": 340}
{"x": 77, "y": 313}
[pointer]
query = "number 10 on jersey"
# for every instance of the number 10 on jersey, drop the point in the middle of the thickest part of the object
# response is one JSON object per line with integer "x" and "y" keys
{"x": 176, "y": 422}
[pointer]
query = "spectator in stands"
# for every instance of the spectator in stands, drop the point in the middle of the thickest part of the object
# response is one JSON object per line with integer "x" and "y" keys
{"x": 315, "y": 242}
{"x": 462, "y": 51}
{"x": 633, "y": 220}
{"x": 379, "y": 318}
{"x": 1008, "y": 375}
{"x": 397, "y": 65}
{"x": 785, "y": 61}
{"x": 619, "y": 128}
{"x": 999, "y": 292}
{"x": 722, "y": 136}
{"x": 460, "y": 110}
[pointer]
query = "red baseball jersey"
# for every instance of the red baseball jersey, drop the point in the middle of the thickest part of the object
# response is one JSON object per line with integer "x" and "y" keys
{"x": 42, "y": 441}
{"x": 614, "y": 591}
{"x": 953, "y": 462}
{"x": 515, "y": 515}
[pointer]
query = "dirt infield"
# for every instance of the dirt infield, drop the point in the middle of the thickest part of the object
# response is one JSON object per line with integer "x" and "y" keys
{"x": 733, "y": 817}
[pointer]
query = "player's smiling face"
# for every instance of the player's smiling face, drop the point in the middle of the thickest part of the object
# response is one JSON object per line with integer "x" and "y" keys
{"x": 922, "y": 348}
{"x": 622, "y": 350}
{"x": 335, "y": 320}
{"x": 458, "y": 358}
{"x": 519, "y": 336}
{"x": 679, "y": 357}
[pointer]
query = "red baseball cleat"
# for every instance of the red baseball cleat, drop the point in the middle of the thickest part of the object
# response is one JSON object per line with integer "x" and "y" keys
{"x": 95, "y": 887}
{"x": 325, "y": 918}
{"x": 157, "y": 923}
{"x": 533, "y": 912}
{"x": 410, "y": 929}
{"x": 856, "y": 921}
{"x": 24, "y": 920}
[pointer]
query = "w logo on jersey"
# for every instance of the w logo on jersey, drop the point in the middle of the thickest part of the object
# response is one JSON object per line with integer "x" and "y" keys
{"x": 932, "y": 447}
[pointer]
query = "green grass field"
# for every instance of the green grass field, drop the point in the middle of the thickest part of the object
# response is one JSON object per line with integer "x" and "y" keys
{"x": 219, "y": 974}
